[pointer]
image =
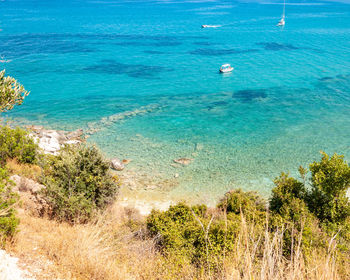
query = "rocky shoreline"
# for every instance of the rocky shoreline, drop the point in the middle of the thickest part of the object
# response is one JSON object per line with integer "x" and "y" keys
{"x": 50, "y": 141}
{"x": 141, "y": 191}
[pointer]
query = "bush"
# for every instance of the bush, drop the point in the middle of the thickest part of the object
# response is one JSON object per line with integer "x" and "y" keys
{"x": 250, "y": 204}
{"x": 330, "y": 179}
{"x": 286, "y": 189}
{"x": 78, "y": 183}
{"x": 15, "y": 143}
{"x": 203, "y": 236}
{"x": 175, "y": 229}
{"x": 323, "y": 206}
{"x": 194, "y": 234}
{"x": 8, "y": 199}
{"x": 296, "y": 221}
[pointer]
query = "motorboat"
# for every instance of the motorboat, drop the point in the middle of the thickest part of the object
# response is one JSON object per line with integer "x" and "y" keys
{"x": 210, "y": 26}
{"x": 226, "y": 68}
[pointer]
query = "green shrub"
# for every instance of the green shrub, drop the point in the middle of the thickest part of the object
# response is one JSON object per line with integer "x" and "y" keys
{"x": 286, "y": 189}
{"x": 194, "y": 234}
{"x": 330, "y": 179}
{"x": 252, "y": 206}
{"x": 15, "y": 143}
{"x": 296, "y": 221}
{"x": 323, "y": 206}
{"x": 78, "y": 183}
{"x": 8, "y": 199}
{"x": 174, "y": 227}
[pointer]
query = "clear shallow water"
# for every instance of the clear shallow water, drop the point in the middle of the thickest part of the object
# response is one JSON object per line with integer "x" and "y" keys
{"x": 142, "y": 77}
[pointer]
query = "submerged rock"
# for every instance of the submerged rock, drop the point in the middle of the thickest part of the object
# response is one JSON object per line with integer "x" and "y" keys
{"x": 183, "y": 161}
{"x": 117, "y": 164}
{"x": 126, "y": 161}
{"x": 198, "y": 147}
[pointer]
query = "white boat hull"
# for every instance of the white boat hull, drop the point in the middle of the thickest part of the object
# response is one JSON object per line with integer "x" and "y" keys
{"x": 227, "y": 70}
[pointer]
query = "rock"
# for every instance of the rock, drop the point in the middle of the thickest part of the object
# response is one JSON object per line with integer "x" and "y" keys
{"x": 51, "y": 141}
{"x": 49, "y": 145}
{"x": 126, "y": 161}
{"x": 54, "y": 134}
{"x": 37, "y": 127}
{"x": 183, "y": 161}
{"x": 23, "y": 184}
{"x": 72, "y": 142}
{"x": 16, "y": 179}
{"x": 77, "y": 134}
{"x": 116, "y": 164}
{"x": 9, "y": 269}
{"x": 176, "y": 175}
{"x": 30, "y": 195}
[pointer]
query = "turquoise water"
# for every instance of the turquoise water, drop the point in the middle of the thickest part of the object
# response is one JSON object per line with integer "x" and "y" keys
{"x": 142, "y": 78}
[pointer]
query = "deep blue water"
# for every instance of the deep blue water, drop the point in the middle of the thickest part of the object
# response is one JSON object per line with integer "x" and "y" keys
{"x": 142, "y": 78}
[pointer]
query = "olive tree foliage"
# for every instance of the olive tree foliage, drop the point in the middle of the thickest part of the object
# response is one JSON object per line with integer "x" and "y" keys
{"x": 330, "y": 181}
{"x": 11, "y": 92}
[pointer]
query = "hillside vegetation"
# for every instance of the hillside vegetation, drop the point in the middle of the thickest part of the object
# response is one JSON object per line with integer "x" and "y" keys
{"x": 301, "y": 232}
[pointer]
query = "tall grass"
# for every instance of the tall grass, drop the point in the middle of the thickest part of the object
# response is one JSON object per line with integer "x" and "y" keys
{"x": 115, "y": 247}
{"x": 247, "y": 263}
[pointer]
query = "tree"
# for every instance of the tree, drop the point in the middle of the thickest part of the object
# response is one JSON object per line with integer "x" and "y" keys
{"x": 11, "y": 92}
{"x": 78, "y": 183}
{"x": 330, "y": 180}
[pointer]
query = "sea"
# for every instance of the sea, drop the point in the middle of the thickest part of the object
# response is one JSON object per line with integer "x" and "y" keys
{"x": 141, "y": 77}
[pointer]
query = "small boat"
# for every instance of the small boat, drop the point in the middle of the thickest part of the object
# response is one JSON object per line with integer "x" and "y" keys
{"x": 210, "y": 26}
{"x": 226, "y": 68}
{"x": 281, "y": 22}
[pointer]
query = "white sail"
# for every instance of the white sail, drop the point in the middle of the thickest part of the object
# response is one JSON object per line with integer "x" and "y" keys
{"x": 282, "y": 21}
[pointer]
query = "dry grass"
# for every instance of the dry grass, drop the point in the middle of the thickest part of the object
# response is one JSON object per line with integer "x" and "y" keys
{"x": 30, "y": 171}
{"x": 109, "y": 249}
{"x": 246, "y": 264}
{"x": 104, "y": 250}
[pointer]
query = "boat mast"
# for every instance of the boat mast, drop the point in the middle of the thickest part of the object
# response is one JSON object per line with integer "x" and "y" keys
{"x": 284, "y": 9}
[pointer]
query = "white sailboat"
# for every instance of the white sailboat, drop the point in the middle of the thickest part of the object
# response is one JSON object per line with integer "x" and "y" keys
{"x": 282, "y": 21}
